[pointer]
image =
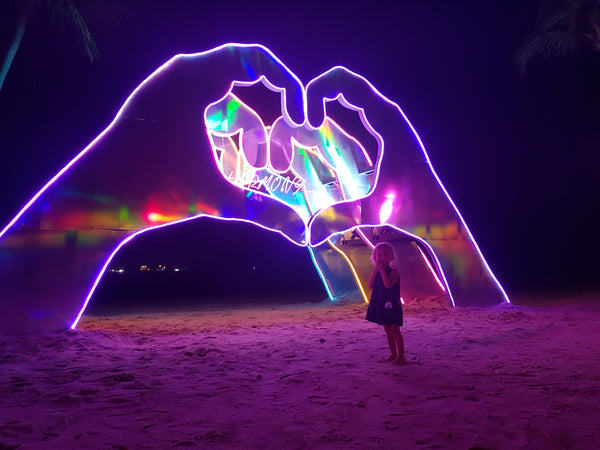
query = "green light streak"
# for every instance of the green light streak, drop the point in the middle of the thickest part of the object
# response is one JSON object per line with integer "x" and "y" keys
{"x": 123, "y": 214}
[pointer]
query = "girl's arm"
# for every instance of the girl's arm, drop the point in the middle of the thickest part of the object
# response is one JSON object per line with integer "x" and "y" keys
{"x": 372, "y": 278}
{"x": 389, "y": 278}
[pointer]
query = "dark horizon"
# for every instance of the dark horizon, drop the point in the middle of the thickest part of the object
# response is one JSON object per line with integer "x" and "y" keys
{"x": 236, "y": 262}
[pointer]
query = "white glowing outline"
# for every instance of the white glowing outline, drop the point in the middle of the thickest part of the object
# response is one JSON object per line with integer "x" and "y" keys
{"x": 352, "y": 268}
{"x": 380, "y": 141}
{"x": 130, "y": 237}
{"x": 324, "y": 200}
{"x": 364, "y": 237}
{"x": 344, "y": 168}
{"x": 163, "y": 67}
{"x": 240, "y": 131}
{"x": 431, "y": 269}
{"x": 242, "y": 164}
{"x": 326, "y": 156}
{"x": 282, "y": 91}
{"x": 446, "y": 289}
{"x": 234, "y": 83}
{"x": 320, "y": 195}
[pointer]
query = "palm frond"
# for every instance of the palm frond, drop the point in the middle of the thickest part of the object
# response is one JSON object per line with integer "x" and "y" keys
{"x": 65, "y": 15}
{"x": 107, "y": 15}
{"x": 564, "y": 28}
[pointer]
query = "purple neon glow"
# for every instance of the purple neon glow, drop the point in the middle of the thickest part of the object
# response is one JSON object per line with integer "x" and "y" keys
{"x": 386, "y": 207}
{"x": 344, "y": 156}
{"x": 365, "y": 238}
{"x": 163, "y": 67}
{"x": 130, "y": 237}
{"x": 138, "y": 88}
{"x": 431, "y": 269}
{"x": 340, "y": 97}
{"x": 352, "y": 268}
{"x": 443, "y": 285}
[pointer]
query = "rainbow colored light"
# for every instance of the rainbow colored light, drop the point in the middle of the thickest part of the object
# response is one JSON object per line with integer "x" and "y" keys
{"x": 304, "y": 176}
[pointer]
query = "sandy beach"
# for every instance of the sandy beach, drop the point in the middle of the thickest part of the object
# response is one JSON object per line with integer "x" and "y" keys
{"x": 309, "y": 376}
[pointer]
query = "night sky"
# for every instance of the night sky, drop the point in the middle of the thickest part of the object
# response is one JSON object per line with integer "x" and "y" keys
{"x": 518, "y": 154}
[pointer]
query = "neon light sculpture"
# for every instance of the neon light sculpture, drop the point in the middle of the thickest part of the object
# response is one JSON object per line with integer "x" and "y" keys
{"x": 185, "y": 146}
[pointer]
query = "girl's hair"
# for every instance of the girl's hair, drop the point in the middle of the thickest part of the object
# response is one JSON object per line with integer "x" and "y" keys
{"x": 381, "y": 245}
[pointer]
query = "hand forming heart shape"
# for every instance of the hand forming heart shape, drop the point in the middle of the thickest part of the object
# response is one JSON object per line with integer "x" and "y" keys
{"x": 303, "y": 176}
{"x": 335, "y": 185}
{"x": 304, "y": 168}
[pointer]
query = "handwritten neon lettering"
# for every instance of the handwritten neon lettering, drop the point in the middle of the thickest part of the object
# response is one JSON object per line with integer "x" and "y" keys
{"x": 278, "y": 181}
{"x": 287, "y": 185}
{"x": 271, "y": 183}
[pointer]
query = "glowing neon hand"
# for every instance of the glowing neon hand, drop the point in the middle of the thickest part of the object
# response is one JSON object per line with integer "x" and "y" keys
{"x": 152, "y": 166}
{"x": 304, "y": 168}
{"x": 171, "y": 154}
{"x": 399, "y": 154}
{"x": 406, "y": 193}
{"x": 178, "y": 102}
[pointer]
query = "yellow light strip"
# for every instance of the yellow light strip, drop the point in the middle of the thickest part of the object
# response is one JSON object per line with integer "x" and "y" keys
{"x": 356, "y": 277}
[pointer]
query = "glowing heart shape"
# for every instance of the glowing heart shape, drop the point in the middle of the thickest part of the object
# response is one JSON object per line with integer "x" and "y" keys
{"x": 307, "y": 169}
{"x": 302, "y": 175}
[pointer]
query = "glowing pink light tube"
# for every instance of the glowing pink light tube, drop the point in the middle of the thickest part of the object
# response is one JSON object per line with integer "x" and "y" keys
{"x": 154, "y": 160}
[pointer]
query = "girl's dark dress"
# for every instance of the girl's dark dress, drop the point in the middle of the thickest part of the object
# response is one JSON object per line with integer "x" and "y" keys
{"x": 376, "y": 311}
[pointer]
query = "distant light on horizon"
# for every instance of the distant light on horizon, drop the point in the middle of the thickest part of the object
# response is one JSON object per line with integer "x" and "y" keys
{"x": 150, "y": 268}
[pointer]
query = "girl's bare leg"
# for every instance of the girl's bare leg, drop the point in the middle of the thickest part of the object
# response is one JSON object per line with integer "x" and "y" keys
{"x": 398, "y": 341}
{"x": 391, "y": 342}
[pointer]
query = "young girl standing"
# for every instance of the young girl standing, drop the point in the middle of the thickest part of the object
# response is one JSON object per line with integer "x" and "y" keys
{"x": 384, "y": 306}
